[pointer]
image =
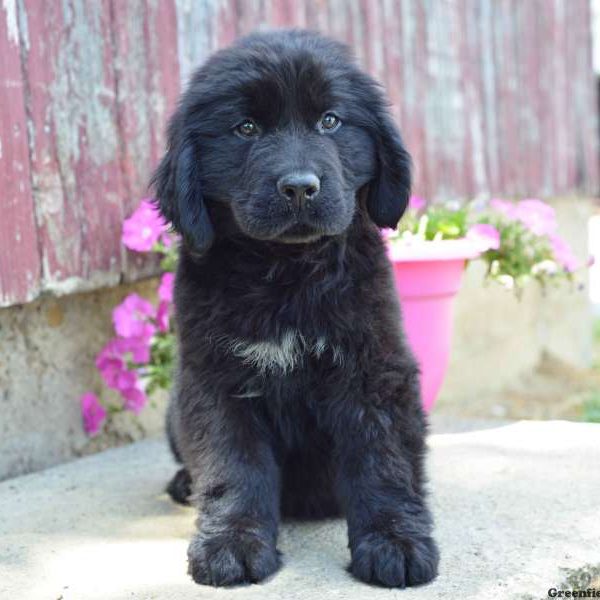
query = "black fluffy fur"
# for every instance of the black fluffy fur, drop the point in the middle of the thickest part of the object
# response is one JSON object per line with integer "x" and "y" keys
{"x": 338, "y": 428}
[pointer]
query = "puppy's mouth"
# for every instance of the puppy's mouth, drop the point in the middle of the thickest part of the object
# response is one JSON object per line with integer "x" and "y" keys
{"x": 299, "y": 233}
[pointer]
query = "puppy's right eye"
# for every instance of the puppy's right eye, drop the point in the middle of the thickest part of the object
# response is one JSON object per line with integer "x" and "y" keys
{"x": 247, "y": 128}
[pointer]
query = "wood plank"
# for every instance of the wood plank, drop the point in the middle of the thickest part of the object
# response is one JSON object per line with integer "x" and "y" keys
{"x": 415, "y": 82}
{"x": 582, "y": 99}
{"x": 475, "y": 143}
{"x": 144, "y": 43}
{"x": 491, "y": 127}
{"x": 280, "y": 13}
{"x": 19, "y": 255}
{"x": 78, "y": 185}
{"x": 315, "y": 17}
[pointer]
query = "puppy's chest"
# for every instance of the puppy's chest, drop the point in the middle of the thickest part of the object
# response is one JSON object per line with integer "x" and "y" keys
{"x": 292, "y": 351}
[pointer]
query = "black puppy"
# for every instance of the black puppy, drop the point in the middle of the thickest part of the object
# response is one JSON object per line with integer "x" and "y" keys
{"x": 296, "y": 393}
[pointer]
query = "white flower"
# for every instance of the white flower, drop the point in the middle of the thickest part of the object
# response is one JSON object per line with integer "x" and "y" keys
{"x": 546, "y": 267}
{"x": 422, "y": 229}
{"x": 507, "y": 281}
{"x": 494, "y": 268}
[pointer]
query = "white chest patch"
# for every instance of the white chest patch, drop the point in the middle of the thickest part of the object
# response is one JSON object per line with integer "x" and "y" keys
{"x": 284, "y": 355}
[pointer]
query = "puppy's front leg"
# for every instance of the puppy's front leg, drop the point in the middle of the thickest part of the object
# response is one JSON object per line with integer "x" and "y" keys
{"x": 380, "y": 449}
{"x": 237, "y": 492}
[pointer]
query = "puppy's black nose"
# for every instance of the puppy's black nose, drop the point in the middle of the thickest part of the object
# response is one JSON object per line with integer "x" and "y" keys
{"x": 299, "y": 187}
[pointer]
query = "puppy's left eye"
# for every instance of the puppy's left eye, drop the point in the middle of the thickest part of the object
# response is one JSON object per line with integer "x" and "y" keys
{"x": 247, "y": 128}
{"x": 328, "y": 123}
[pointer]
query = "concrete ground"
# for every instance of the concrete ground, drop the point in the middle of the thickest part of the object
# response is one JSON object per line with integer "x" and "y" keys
{"x": 513, "y": 505}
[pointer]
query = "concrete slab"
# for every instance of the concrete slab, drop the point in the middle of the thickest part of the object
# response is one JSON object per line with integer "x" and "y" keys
{"x": 513, "y": 505}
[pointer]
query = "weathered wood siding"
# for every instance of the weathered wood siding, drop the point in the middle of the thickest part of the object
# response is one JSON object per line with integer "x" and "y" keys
{"x": 493, "y": 96}
{"x": 19, "y": 257}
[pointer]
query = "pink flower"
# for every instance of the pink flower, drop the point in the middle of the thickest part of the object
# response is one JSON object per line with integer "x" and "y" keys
{"x": 537, "y": 216}
{"x": 126, "y": 380}
{"x": 162, "y": 317}
{"x": 417, "y": 203}
{"x": 110, "y": 370}
{"x": 113, "y": 369}
{"x": 135, "y": 398}
{"x": 112, "y": 366}
{"x": 130, "y": 388}
{"x": 168, "y": 239}
{"x": 485, "y": 237}
{"x": 143, "y": 228}
{"x": 165, "y": 289}
{"x": 139, "y": 347}
{"x": 563, "y": 253}
{"x": 110, "y": 363}
{"x": 131, "y": 317}
{"x": 93, "y": 413}
{"x": 505, "y": 208}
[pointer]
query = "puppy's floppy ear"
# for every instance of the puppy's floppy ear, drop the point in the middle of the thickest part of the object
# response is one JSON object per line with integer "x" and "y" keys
{"x": 389, "y": 192}
{"x": 177, "y": 186}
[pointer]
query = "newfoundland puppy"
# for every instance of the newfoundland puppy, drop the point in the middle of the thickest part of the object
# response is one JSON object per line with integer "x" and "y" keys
{"x": 296, "y": 394}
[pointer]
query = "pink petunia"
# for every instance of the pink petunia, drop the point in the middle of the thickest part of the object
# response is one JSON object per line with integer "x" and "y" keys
{"x": 126, "y": 380}
{"x": 131, "y": 317}
{"x": 110, "y": 363}
{"x": 563, "y": 253}
{"x": 139, "y": 347}
{"x": 111, "y": 360}
{"x": 93, "y": 413}
{"x": 485, "y": 237}
{"x": 134, "y": 399}
{"x": 162, "y": 317}
{"x": 143, "y": 228}
{"x": 505, "y": 208}
{"x": 168, "y": 239}
{"x": 537, "y": 216}
{"x": 417, "y": 203}
{"x": 165, "y": 289}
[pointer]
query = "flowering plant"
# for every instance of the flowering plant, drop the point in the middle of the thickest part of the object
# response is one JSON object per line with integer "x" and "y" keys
{"x": 139, "y": 359}
{"x": 518, "y": 241}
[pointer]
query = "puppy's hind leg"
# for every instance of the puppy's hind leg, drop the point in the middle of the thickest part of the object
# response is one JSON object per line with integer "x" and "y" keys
{"x": 180, "y": 486}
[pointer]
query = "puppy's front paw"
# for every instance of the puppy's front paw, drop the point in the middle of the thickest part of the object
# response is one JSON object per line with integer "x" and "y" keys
{"x": 231, "y": 558}
{"x": 394, "y": 561}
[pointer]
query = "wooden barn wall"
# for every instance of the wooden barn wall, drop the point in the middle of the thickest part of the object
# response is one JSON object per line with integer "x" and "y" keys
{"x": 494, "y": 97}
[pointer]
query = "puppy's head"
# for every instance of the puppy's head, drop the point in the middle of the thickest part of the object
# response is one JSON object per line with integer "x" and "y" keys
{"x": 283, "y": 130}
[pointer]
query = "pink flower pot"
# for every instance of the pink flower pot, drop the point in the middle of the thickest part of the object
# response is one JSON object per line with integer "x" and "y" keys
{"x": 427, "y": 276}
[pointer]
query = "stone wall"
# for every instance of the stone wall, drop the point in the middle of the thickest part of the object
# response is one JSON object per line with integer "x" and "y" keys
{"x": 47, "y": 352}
